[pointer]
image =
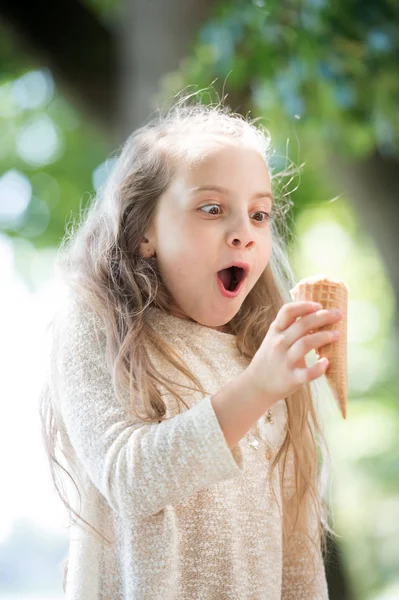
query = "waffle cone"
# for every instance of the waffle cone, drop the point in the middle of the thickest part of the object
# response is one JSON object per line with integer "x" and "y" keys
{"x": 331, "y": 294}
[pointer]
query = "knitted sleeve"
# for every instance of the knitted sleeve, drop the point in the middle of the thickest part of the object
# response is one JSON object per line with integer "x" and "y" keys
{"x": 139, "y": 468}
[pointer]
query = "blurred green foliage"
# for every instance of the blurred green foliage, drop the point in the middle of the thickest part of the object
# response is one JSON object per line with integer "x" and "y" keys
{"x": 46, "y": 149}
{"x": 333, "y": 65}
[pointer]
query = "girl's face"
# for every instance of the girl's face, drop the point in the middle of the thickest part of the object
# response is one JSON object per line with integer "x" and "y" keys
{"x": 213, "y": 215}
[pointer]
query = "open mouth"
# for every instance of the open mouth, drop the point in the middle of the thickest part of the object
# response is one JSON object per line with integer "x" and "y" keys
{"x": 231, "y": 277}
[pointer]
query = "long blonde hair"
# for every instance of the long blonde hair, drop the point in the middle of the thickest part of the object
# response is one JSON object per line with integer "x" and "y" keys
{"x": 100, "y": 260}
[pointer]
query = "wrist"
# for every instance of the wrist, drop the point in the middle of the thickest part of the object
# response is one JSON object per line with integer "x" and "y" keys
{"x": 255, "y": 394}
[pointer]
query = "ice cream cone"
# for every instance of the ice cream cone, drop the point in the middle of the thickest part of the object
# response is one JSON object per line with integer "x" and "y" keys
{"x": 331, "y": 294}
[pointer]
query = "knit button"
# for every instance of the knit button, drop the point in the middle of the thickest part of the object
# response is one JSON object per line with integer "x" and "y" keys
{"x": 268, "y": 454}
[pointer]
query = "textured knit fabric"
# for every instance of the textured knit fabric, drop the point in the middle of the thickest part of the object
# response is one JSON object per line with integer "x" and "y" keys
{"x": 188, "y": 518}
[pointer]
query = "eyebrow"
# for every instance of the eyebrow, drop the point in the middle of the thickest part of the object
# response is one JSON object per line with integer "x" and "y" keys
{"x": 222, "y": 190}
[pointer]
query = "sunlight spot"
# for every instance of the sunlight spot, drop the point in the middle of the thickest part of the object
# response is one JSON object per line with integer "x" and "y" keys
{"x": 102, "y": 172}
{"x": 15, "y": 196}
{"x": 333, "y": 244}
{"x": 33, "y": 89}
{"x": 38, "y": 143}
{"x": 363, "y": 321}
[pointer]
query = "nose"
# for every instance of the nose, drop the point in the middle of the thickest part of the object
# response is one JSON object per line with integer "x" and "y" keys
{"x": 241, "y": 236}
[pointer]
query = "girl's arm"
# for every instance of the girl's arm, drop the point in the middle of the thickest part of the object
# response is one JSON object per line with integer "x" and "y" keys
{"x": 139, "y": 468}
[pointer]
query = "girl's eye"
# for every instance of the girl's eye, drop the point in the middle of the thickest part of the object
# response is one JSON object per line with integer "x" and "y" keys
{"x": 206, "y": 205}
{"x": 267, "y": 216}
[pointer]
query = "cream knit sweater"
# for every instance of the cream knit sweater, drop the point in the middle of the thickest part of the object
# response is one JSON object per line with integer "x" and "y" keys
{"x": 189, "y": 519}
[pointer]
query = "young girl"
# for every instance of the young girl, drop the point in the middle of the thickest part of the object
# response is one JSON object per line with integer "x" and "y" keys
{"x": 178, "y": 388}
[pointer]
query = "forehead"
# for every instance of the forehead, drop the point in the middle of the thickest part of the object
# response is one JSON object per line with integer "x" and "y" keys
{"x": 198, "y": 147}
{"x": 208, "y": 157}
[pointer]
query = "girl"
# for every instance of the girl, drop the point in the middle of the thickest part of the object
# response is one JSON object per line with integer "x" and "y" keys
{"x": 178, "y": 388}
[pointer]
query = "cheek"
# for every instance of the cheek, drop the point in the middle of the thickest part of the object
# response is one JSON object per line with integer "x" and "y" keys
{"x": 269, "y": 250}
{"x": 264, "y": 257}
{"x": 268, "y": 246}
{"x": 170, "y": 244}
{"x": 177, "y": 260}
{"x": 185, "y": 247}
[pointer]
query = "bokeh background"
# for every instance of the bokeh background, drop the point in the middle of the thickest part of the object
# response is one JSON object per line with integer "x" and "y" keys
{"x": 76, "y": 77}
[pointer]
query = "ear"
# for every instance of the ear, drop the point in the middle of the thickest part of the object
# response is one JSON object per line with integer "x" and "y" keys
{"x": 147, "y": 249}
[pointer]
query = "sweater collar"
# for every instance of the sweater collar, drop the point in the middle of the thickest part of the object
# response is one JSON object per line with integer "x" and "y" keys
{"x": 188, "y": 329}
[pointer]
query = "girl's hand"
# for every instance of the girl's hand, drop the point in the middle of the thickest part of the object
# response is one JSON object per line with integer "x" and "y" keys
{"x": 278, "y": 368}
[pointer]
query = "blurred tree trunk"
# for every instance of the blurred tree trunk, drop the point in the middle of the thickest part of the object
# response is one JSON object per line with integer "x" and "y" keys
{"x": 156, "y": 35}
{"x": 372, "y": 186}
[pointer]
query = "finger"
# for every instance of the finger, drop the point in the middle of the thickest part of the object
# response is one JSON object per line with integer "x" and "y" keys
{"x": 321, "y": 320}
{"x": 307, "y": 343}
{"x": 313, "y": 372}
{"x": 289, "y": 313}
